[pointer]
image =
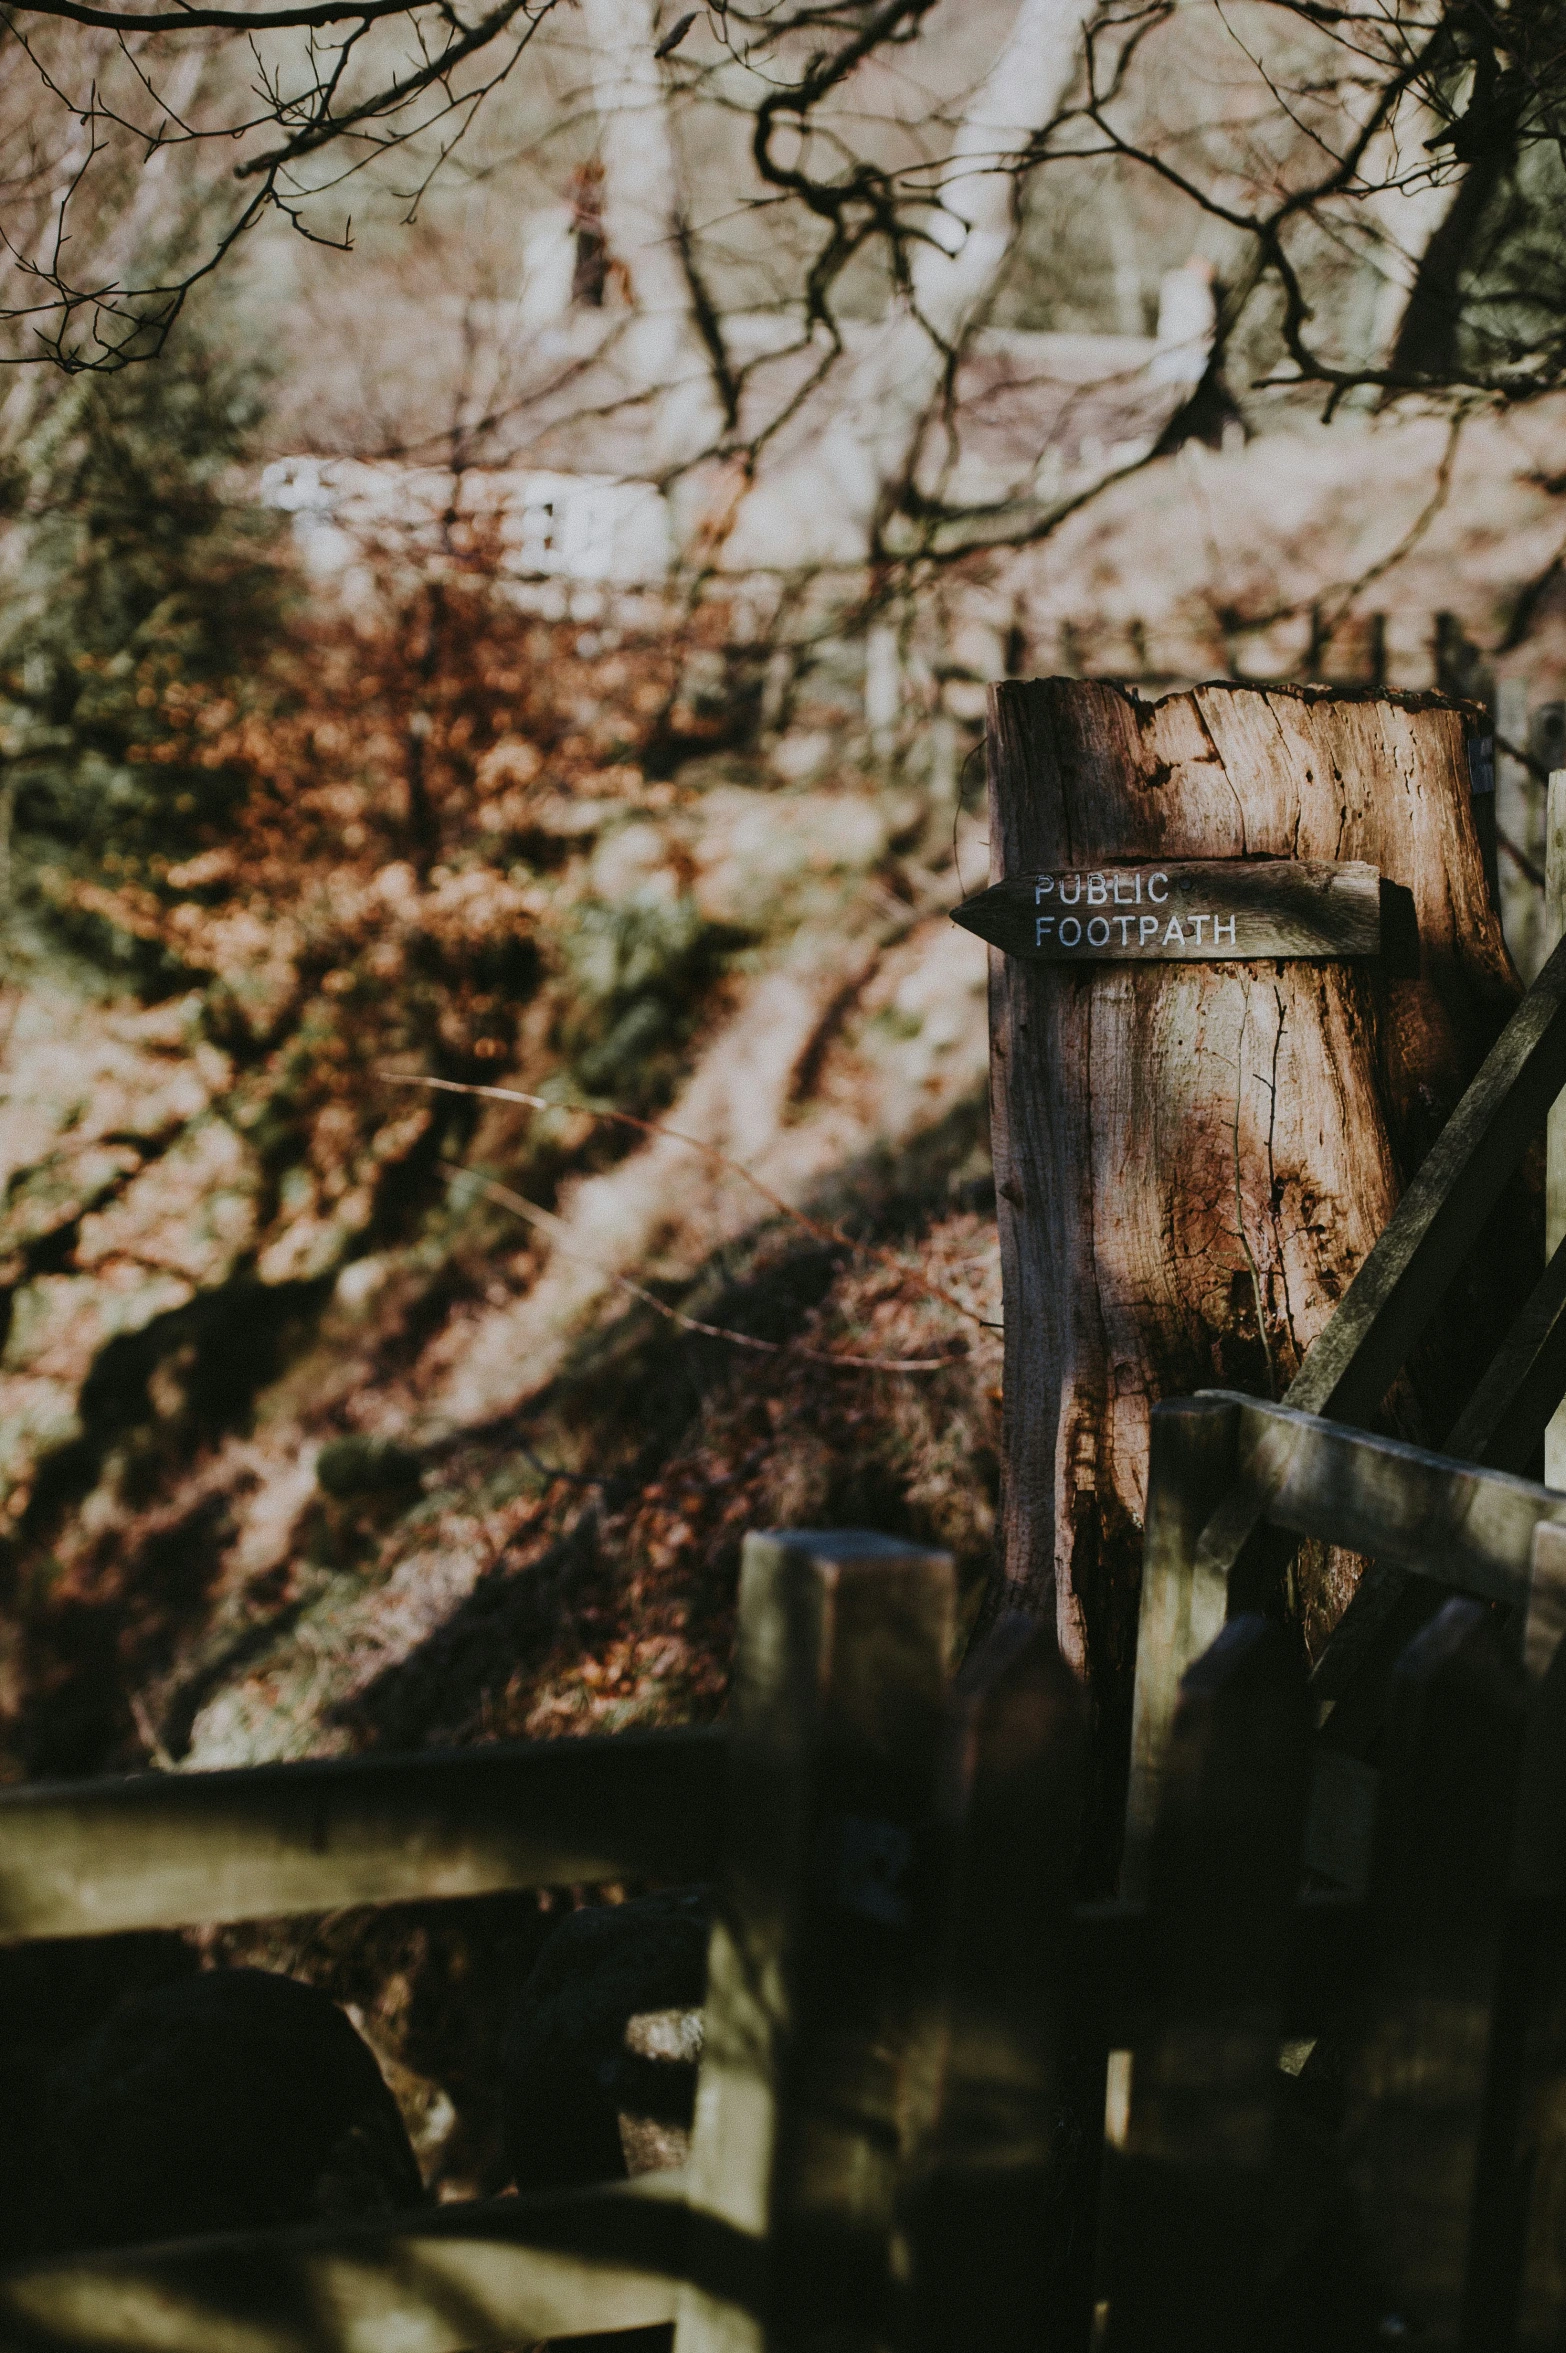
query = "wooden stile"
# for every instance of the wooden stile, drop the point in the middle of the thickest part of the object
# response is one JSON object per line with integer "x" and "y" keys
{"x": 1393, "y": 1298}
{"x": 815, "y": 1996}
{"x": 1185, "y": 2209}
{"x": 1447, "y": 1523}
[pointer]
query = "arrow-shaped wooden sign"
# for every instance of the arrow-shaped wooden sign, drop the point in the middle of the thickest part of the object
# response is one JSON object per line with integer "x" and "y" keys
{"x": 1191, "y": 911}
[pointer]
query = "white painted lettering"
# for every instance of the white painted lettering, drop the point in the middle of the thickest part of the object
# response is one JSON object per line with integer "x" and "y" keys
{"x": 1158, "y": 897}
{"x": 1173, "y": 933}
{"x": 1218, "y": 931}
{"x": 1043, "y": 925}
{"x": 1147, "y": 929}
{"x": 1123, "y": 892}
{"x": 1198, "y": 924}
{"x": 1098, "y": 890}
{"x": 1070, "y": 923}
{"x": 1125, "y": 922}
{"x": 1042, "y": 887}
{"x": 1070, "y": 898}
{"x": 1098, "y": 932}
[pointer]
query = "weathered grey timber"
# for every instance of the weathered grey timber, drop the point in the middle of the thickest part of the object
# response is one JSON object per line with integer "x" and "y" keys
{"x": 1453, "y": 1524}
{"x": 175, "y": 1849}
{"x": 1192, "y": 1465}
{"x": 1501, "y": 1426}
{"x": 504, "y": 2274}
{"x": 1194, "y": 911}
{"x": 815, "y": 1994}
{"x": 1552, "y": 931}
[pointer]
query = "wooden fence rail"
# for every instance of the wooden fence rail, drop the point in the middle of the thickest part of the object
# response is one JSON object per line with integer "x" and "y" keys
{"x": 504, "y": 2272}
{"x": 175, "y": 1849}
{"x": 905, "y": 1999}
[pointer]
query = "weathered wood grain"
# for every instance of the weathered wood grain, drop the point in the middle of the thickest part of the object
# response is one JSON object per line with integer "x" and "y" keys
{"x": 1501, "y": 1426}
{"x": 1193, "y": 1461}
{"x": 1453, "y": 1522}
{"x": 1187, "y": 2190}
{"x": 1446, "y": 1523}
{"x": 1189, "y": 911}
{"x": 815, "y": 1992}
{"x": 1194, "y": 1161}
{"x": 499, "y": 2275}
{"x": 166, "y": 1850}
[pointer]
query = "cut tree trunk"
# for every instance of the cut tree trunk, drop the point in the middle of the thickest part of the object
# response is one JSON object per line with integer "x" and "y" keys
{"x": 1191, "y": 1159}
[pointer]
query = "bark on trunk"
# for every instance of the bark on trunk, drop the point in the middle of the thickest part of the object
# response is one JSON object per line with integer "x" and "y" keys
{"x": 1426, "y": 344}
{"x": 1192, "y": 1160}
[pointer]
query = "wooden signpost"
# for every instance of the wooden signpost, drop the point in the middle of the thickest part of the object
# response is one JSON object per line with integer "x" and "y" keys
{"x": 1287, "y": 969}
{"x": 1216, "y": 910}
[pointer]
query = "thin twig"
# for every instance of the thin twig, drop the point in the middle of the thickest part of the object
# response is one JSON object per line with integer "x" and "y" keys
{"x": 833, "y": 1235}
{"x": 538, "y": 1216}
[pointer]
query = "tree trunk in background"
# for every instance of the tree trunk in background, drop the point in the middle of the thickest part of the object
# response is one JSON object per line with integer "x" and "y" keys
{"x": 662, "y": 348}
{"x": 1192, "y": 1160}
{"x": 820, "y": 497}
{"x": 1426, "y": 343}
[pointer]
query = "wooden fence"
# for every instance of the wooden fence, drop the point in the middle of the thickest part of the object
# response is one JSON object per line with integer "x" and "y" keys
{"x": 909, "y": 2015}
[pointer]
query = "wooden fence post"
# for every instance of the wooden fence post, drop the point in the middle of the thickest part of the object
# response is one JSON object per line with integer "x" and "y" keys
{"x": 1183, "y": 2205}
{"x": 814, "y": 1998}
{"x": 1193, "y": 1461}
{"x": 997, "y": 2199}
{"x": 1419, "y": 2049}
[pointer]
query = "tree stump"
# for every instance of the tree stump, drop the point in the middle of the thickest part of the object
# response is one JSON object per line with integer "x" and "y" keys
{"x": 1193, "y": 1159}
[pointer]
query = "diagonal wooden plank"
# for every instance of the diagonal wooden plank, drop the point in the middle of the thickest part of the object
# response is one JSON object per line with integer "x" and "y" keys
{"x": 1500, "y": 1426}
{"x": 1505, "y": 1418}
